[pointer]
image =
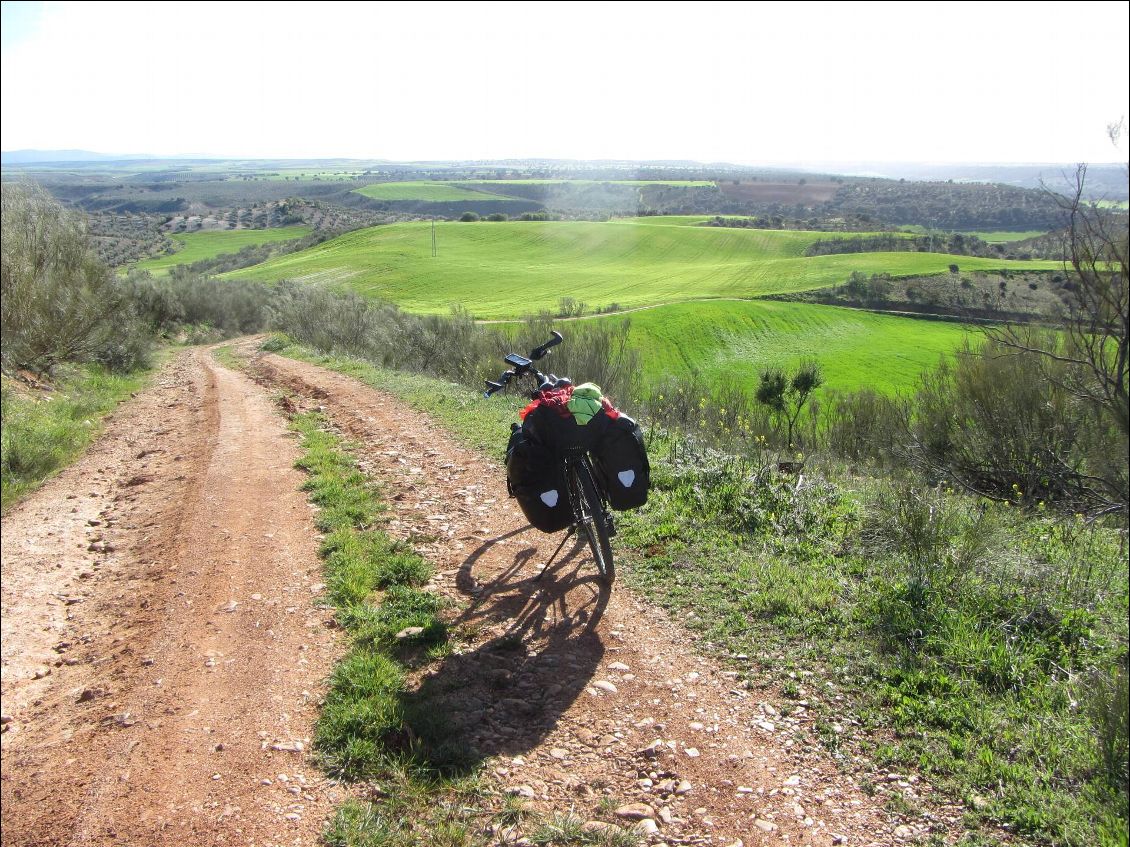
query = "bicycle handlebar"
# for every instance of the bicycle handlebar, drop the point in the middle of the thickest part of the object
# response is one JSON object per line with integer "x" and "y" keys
{"x": 523, "y": 367}
{"x": 543, "y": 350}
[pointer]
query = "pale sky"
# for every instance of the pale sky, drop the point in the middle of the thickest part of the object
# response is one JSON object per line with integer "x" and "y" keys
{"x": 739, "y": 82}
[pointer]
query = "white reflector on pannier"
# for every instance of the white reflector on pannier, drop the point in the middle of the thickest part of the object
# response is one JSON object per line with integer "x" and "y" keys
{"x": 626, "y": 478}
{"x": 550, "y": 497}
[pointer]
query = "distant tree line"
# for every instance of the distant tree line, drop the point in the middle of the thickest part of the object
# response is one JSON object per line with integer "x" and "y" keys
{"x": 811, "y": 224}
{"x": 947, "y": 205}
{"x": 954, "y": 243}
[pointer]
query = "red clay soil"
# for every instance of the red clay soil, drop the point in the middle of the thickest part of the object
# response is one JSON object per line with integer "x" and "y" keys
{"x": 164, "y": 591}
{"x": 165, "y": 646}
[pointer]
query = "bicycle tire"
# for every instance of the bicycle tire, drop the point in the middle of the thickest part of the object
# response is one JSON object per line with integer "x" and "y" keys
{"x": 590, "y": 515}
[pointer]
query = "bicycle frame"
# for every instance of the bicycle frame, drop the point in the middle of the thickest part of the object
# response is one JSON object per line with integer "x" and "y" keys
{"x": 590, "y": 513}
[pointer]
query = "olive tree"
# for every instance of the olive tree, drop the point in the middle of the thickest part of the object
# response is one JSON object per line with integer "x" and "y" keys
{"x": 786, "y": 396}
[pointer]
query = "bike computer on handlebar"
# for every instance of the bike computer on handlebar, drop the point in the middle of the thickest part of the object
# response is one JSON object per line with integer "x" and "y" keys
{"x": 522, "y": 366}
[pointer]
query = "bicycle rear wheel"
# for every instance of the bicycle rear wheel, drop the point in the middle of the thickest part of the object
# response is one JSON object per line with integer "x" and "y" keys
{"x": 592, "y": 519}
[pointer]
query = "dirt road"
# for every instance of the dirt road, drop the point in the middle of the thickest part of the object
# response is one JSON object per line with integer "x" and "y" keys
{"x": 165, "y": 590}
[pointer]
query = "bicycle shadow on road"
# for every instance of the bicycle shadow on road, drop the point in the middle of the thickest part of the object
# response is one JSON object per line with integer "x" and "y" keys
{"x": 537, "y": 651}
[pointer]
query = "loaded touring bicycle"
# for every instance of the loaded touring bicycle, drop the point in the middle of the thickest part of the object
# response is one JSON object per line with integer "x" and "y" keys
{"x": 574, "y": 459}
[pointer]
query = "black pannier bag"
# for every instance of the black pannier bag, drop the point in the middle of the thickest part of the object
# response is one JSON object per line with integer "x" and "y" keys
{"x": 536, "y": 480}
{"x": 621, "y": 460}
{"x": 546, "y": 426}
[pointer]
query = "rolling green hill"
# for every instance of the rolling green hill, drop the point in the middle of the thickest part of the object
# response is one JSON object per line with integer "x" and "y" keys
{"x": 737, "y": 340}
{"x": 433, "y": 192}
{"x": 195, "y": 246}
{"x": 507, "y": 270}
{"x": 502, "y": 183}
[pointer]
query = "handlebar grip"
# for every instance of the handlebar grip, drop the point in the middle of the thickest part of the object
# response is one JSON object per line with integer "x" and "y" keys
{"x": 539, "y": 352}
{"x": 492, "y": 387}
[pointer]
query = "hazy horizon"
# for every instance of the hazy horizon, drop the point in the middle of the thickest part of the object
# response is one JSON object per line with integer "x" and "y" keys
{"x": 126, "y": 156}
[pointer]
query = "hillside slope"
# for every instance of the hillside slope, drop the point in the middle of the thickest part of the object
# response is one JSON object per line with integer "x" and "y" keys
{"x": 505, "y": 270}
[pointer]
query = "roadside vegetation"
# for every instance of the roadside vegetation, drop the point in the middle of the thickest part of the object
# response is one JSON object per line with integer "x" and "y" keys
{"x": 72, "y": 347}
{"x": 46, "y": 428}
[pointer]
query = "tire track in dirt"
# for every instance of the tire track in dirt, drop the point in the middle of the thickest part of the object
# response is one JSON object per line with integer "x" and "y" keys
{"x": 585, "y": 700}
{"x": 181, "y": 668}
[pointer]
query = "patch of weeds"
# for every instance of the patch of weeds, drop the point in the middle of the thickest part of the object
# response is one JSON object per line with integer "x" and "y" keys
{"x": 42, "y": 431}
{"x": 902, "y": 806}
{"x": 226, "y": 357}
{"x": 370, "y": 726}
{"x": 828, "y": 736}
{"x": 509, "y": 642}
{"x": 362, "y": 721}
{"x": 514, "y": 810}
{"x": 402, "y": 609}
{"x": 561, "y": 830}
{"x": 568, "y": 830}
{"x": 358, "y": 824}
{"x": 276, "y": 342}
{"x": 413, "y": 811}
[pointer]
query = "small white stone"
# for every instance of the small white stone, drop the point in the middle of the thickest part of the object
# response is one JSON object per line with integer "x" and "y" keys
{"x": 635, "y": 811}
{"x": 647, "y": 827}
